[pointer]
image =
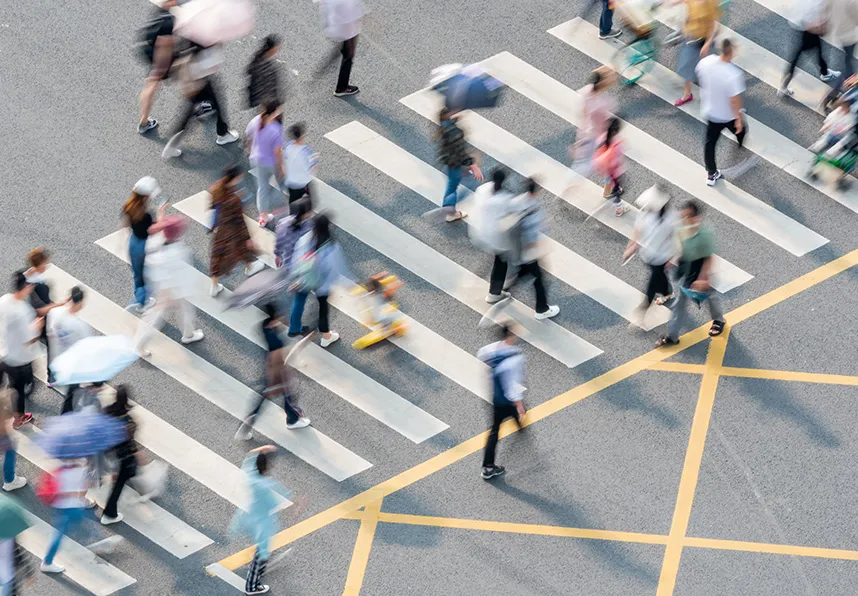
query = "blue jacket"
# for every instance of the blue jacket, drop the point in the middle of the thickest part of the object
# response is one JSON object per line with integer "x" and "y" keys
{"x": 507, "y": 365}
{"x": 332, "y": 264}
{"x": 258, "y": 520}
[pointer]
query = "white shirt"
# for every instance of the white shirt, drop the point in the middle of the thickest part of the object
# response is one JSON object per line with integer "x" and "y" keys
{"x": 17, "y": 330}
{"x": 656, "y": 236}
{"x": 65, "y": 329}
{"x": 490, "y": 226}
{"x": 844, "y": 21}
{"x": 298, "y": 162}
{"x": 719, "y": 82}
{"x": 341, "y": 18}
{"x": 72, "y": 479}
{"x": 167, "y": 267}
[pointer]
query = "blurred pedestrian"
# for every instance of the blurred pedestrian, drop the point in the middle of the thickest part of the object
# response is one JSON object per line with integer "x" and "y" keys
{"x": 317, "y": 257}
{"x": 844, "y": 30}
{"x": 609, "y": 161}
{"x": 7, "y": 444}
{"x": 264, "y": 74}
{"x": 289, "y": 230}
{"x": 127, "y": 454}
{"x": 198, "y": 70}
{"x": 65, "y": 328}
{"x": 811, "y": 18}
{"x": 701, "y": 23}
{"x": 264, "y": 142}
{"x": 454, "y": 155}
{"x": 231, "y": 242}
{"x": 696, "y": 272}
{"x": 492, "y": 230}
{"x": 20, "y": 328}
{"x": 139, "y": 218}
{"x": 70, "y": 504}
{"x": 300, "y": 164}
{"x": 168, "y": 274}
{"x": 506, "y": 362}
{"x": 606, "y": 21}
{"x": 40, "y": 298}
{"x": 341, "y": 20}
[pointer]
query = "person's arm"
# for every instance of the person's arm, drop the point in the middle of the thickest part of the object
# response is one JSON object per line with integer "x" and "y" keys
{"x": 736, "y": 101}
{"x": 279, "y": 170}
{"x": 512, "y": 382}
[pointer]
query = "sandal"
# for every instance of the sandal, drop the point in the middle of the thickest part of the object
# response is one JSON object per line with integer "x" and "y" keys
{"x": 662, "y": 300}
{"x": 716, "y": 329}
{"x": 665, "y": 341}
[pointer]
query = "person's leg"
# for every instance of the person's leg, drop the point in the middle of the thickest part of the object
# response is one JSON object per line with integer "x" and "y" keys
{"x": 254, "y": 573}
{"x": 137, "y": 256}
{"x": 715, "y": 308}
{"x": 348, "y": 53}
{"x": 126, "y": 472}
{"x": 148, "y": 325}
{"x": 677, "y": 316}
{"x": 652, "y": 284}
{"x": 606, "y": 20}
{"x": 296, "y": 194}
{"x": 498, "y": 415}
{"x": 848, "y": 61}
{"x": 713, "y": 132}
{"x": 800, "y": 48}
{"x": 63, "y": 524}
{"x": 815, "y": 43}
{"x": 293, "y": 414}
{"x": 297, "y": 313}
{"x": 498, "y": 276}
{"x": 210, "y": 95}
{"x": 147, "y": 98}
{"x": 9, "y": 465}
{"x": 68, "y": 400}
{"x": 17, "y": 380}
{"x": 324, "y": 325}
{"x": 451, "y": 193}
{"x": 535, "y": 270}
{"x": 188, "y": 112}
{"x": 186, "y": 314}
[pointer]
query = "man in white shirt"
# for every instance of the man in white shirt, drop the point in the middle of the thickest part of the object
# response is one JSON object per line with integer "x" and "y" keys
{"x": 20, "y": 329}
{"x": 342, "y": 24}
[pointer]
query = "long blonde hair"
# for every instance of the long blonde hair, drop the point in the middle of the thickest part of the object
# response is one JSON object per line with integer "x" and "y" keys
{"x": 135, "y": 207}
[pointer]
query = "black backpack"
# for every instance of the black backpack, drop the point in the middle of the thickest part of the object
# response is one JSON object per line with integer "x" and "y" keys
{"x": 149, "y": 34}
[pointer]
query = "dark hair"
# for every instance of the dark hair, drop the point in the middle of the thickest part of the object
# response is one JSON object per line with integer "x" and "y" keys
{"x": 296, "y": 131}
{"x": 321, "y": 230}
{"x": 613, "y": 130}
{"x": 692, "y": 206}
{"x": 505, "y": 332}
{"x": 120, "y": 402}
{"x": 373, "y": 285}
{"x": 299, "y": 209}
{"x": 270, "y": 310}
{"x": 269, "y": 43}
{"x": 530, "y": 186}
{"x": 262, "y": 463}
{"x": 268, "y": 108}
{"x": 38, "y": 257}
{"x": 76, "y": 295}
{"x": 19, "y": 281}
{"x": 726, "y": 45}
{"x": 231, "y": 172}
{"x": 498, "y": 177}
{"x": 595, "y": 79}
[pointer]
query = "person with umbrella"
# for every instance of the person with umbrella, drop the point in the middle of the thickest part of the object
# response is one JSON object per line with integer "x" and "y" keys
{"x": 455, "y": 157}
{"x": 13, "y": 572}
{"x": 66, "y": 328}
{"x": 7, "y": 446}
{"x": 127, "y": 454}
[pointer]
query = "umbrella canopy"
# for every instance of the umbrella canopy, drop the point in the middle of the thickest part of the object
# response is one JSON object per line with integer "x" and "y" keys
{"x": 470, "y": 89}
{"x": 80, "y": 434}
{"x": 210, "y": 22}
{"x": 13, "y": 520}
{"x": 260, "y": 287}
{"x": 94, "y": 359}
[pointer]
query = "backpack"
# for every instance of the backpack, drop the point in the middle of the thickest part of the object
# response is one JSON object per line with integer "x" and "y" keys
{"x": 47, "y": 488}
{"x": 306, "y": 275}
{"x": 148, "y": 35}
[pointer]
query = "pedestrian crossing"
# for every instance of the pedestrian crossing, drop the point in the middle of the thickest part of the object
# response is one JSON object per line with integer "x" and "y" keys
{"x": 563, "y": 339}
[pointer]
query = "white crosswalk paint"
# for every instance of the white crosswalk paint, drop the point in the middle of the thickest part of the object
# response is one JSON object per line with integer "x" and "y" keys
{"x": 161, "y": 527}
{"x": 661, "y": 159}
{"x": 562, "y": 263}
{"x": 83, "y": 567}
{"x": 316, "y": 363}
{"x": 214, "y": 385}
{"x": 664, "y": 83}
{"x": 421, "y": 342}
{"x": 554, "y": 177}
{"x": 221, "y": 572}
{"x": 181, "y": 451}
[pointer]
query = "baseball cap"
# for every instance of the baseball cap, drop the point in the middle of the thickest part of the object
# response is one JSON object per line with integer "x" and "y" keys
{"x": 147, "y": 186}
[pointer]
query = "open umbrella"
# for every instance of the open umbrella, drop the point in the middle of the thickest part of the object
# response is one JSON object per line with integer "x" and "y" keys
{"x": 258, "y": 288}
{"x": 468, "y": 89}
{"x": 13, "y": 520}
{"x": 80, "y": 434}
{"x": 94, "y": 359}
{"x": 210, "y": 22}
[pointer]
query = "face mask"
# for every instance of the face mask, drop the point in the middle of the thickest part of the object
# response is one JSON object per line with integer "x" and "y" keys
{"x": 689, "y": 230}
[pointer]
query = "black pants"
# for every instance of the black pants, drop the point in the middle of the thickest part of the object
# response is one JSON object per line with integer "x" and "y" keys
{"x": 292, "y": 413}
{"x": 207, "y": 93}
{"x": 498, "y": 276}
{"x": 254, "y": 573}
{"x": 127, "y": 471}
{"x": 658, "y": 283}
{"x": 848, "y": 62}
{"x": 499, "y": 414}
{"x": 809, "y": 41}
{"x": 533, "y": 269}
{"x": 299, "y": 193}
{"x": 324, "y": 324}
{"x": 348, "y": 52}
{"x": 68, "y": 400}
{"x": 713, "y": 133}
{"x": 21, "y": 381}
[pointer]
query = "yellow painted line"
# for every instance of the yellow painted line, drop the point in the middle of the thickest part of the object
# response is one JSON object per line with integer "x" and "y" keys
{"x": 678, "y": 367}
{"x": 363, "y": 544}
{"x": 474, "y": 444}
{"x": 786, "y": 375}
{"x": 776, "y": 549}
{"x": 691, "y": 467}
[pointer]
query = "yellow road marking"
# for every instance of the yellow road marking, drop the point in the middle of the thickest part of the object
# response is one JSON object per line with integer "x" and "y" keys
{"x": 363, "y": 544}
{"x": 776, "y": 549}
{"x": 691, "y": 467}
{"x": 678, "y": 367}
{"x": 474, "y": 444}
{"x": 758, "y": 373}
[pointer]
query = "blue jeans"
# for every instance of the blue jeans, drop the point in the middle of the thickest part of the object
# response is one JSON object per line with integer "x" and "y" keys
{"x": 137, "y": 254}
{"x": 9, "y": 466}
{"x": 66, "y": 519}
{"x": 297, "y": 313}
{"x": 606, "y": 21}
{"x": 451, "y": 194}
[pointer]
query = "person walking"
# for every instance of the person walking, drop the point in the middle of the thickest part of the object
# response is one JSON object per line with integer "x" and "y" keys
{"x": 506, "y": 362}
{"x": 844, "y": 30}
{"x": 7, "y": 444}
{"x": 454, "y": 155}
{"x": 696, "y": 273}
{"x": 20, "y": 328}
{"x": 811, "y": 18}
{"x": 492, "y": 231}
{"x": 264, "y": 143}
{"x": 259, "y": 519}
{"x": 598, "y": 108}
{"x": 317, "y": 255}
{"x": 698, "y": 33}
{"x": 198, "y": 71}
{"x": 289, "y": 230}
{"x": 168, "y": 275}
{"x": 127, "y": 454}
{"x": 70, "y": 504}
{"x": 66, "y": 328}
{"x": 721, "y": 86}
{"x": 530, "y": 240}
{"x": 40, "y": 298}
{"x": 264, "y": 75}
{"x": 655, "y": 241}
{"x": 158, "y": 46}
{"x": 139, "y": 218}
{"x": 606, "y": 21}
{"x": 231, "y": 242}
{"x": 609, "y": 161}
{"x": 341, "y": 20}
{"x": 300, "y": 163}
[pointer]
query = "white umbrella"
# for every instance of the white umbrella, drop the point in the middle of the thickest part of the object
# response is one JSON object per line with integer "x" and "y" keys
{"x": 94, "y": 359}
{"x": 210, "y": 22}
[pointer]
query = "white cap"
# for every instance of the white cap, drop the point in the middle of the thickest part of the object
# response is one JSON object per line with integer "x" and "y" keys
{"x": 652, "y": 199}
{"x": 147, "y": 186}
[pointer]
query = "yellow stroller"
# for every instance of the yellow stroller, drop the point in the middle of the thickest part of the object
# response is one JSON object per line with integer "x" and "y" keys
{"x": 381, "y": 314}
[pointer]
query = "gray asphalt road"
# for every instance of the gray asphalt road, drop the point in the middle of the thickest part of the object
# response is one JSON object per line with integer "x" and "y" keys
{"x": 778, "y": 464}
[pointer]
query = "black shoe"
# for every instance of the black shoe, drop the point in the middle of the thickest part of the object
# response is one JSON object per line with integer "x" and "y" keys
{"x": 350, "y": 90}
{"x": 203, "y": 110}
{"x": 489, "y": 473}
{"x": 305, "y": 331}
{"x": 610, "y": 34}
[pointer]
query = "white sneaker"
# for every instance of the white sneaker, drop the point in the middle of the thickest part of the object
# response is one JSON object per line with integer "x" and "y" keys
{"x": 150, "y": 302}
{"x": 786, "y": 92}
{"x": 51, "y": 568}
{"x": 300, "y": 423}
{"x": 17, "y": 482}
{"x": 194, "y": 337}
{"x": 171, "y": 149}
{"x": 831, "y": 74}
{"x": 215, "y": 290}
{"x": 260, "y": 590}
{"x": 143, "y": 352}
{"x": 326, "y": 342}
{"x": 621, "y": 210}
{"x": 254, "y": 268}
{"x": 106, "y": 521}
{"x": 244, "y": 432}
{"x": 552, "y": 311}
{"x": 230, "y": 137}
{"x": 495, "y": 298}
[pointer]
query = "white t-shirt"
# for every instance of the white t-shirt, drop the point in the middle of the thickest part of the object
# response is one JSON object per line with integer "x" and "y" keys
{"x": 298, "y": 161}
{"x": 656, "y": 236}
{"x": 17, "y": 331}
{"x": 72, "y": 479}
{"x": 65, "y": 329}
{"x": 719, "y": 81}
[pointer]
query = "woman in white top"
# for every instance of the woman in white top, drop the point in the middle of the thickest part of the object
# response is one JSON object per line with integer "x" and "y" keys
{"x": 655, "y": 242}
{"x": 72, "y": 483}
{"x": 299, "y": 163}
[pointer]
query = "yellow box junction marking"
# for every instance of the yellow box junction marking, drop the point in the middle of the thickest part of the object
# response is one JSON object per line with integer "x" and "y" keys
{"x": 759, "y": 373}
{"x": 363, "y": 545}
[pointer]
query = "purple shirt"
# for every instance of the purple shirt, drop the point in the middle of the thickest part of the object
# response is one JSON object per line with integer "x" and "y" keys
{"x": 264, "y": 142}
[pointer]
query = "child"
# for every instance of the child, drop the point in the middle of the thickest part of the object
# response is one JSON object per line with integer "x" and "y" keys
{"x": 300, "y": 163}
{"x": 380, "y": 300}
{"x": 609, "y": 162}
{"x": 838, "y": 124}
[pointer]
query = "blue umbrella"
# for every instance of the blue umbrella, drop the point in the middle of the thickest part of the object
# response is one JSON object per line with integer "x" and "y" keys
{"x": 80, "y": 434}
{"x": 469, "y": 90}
